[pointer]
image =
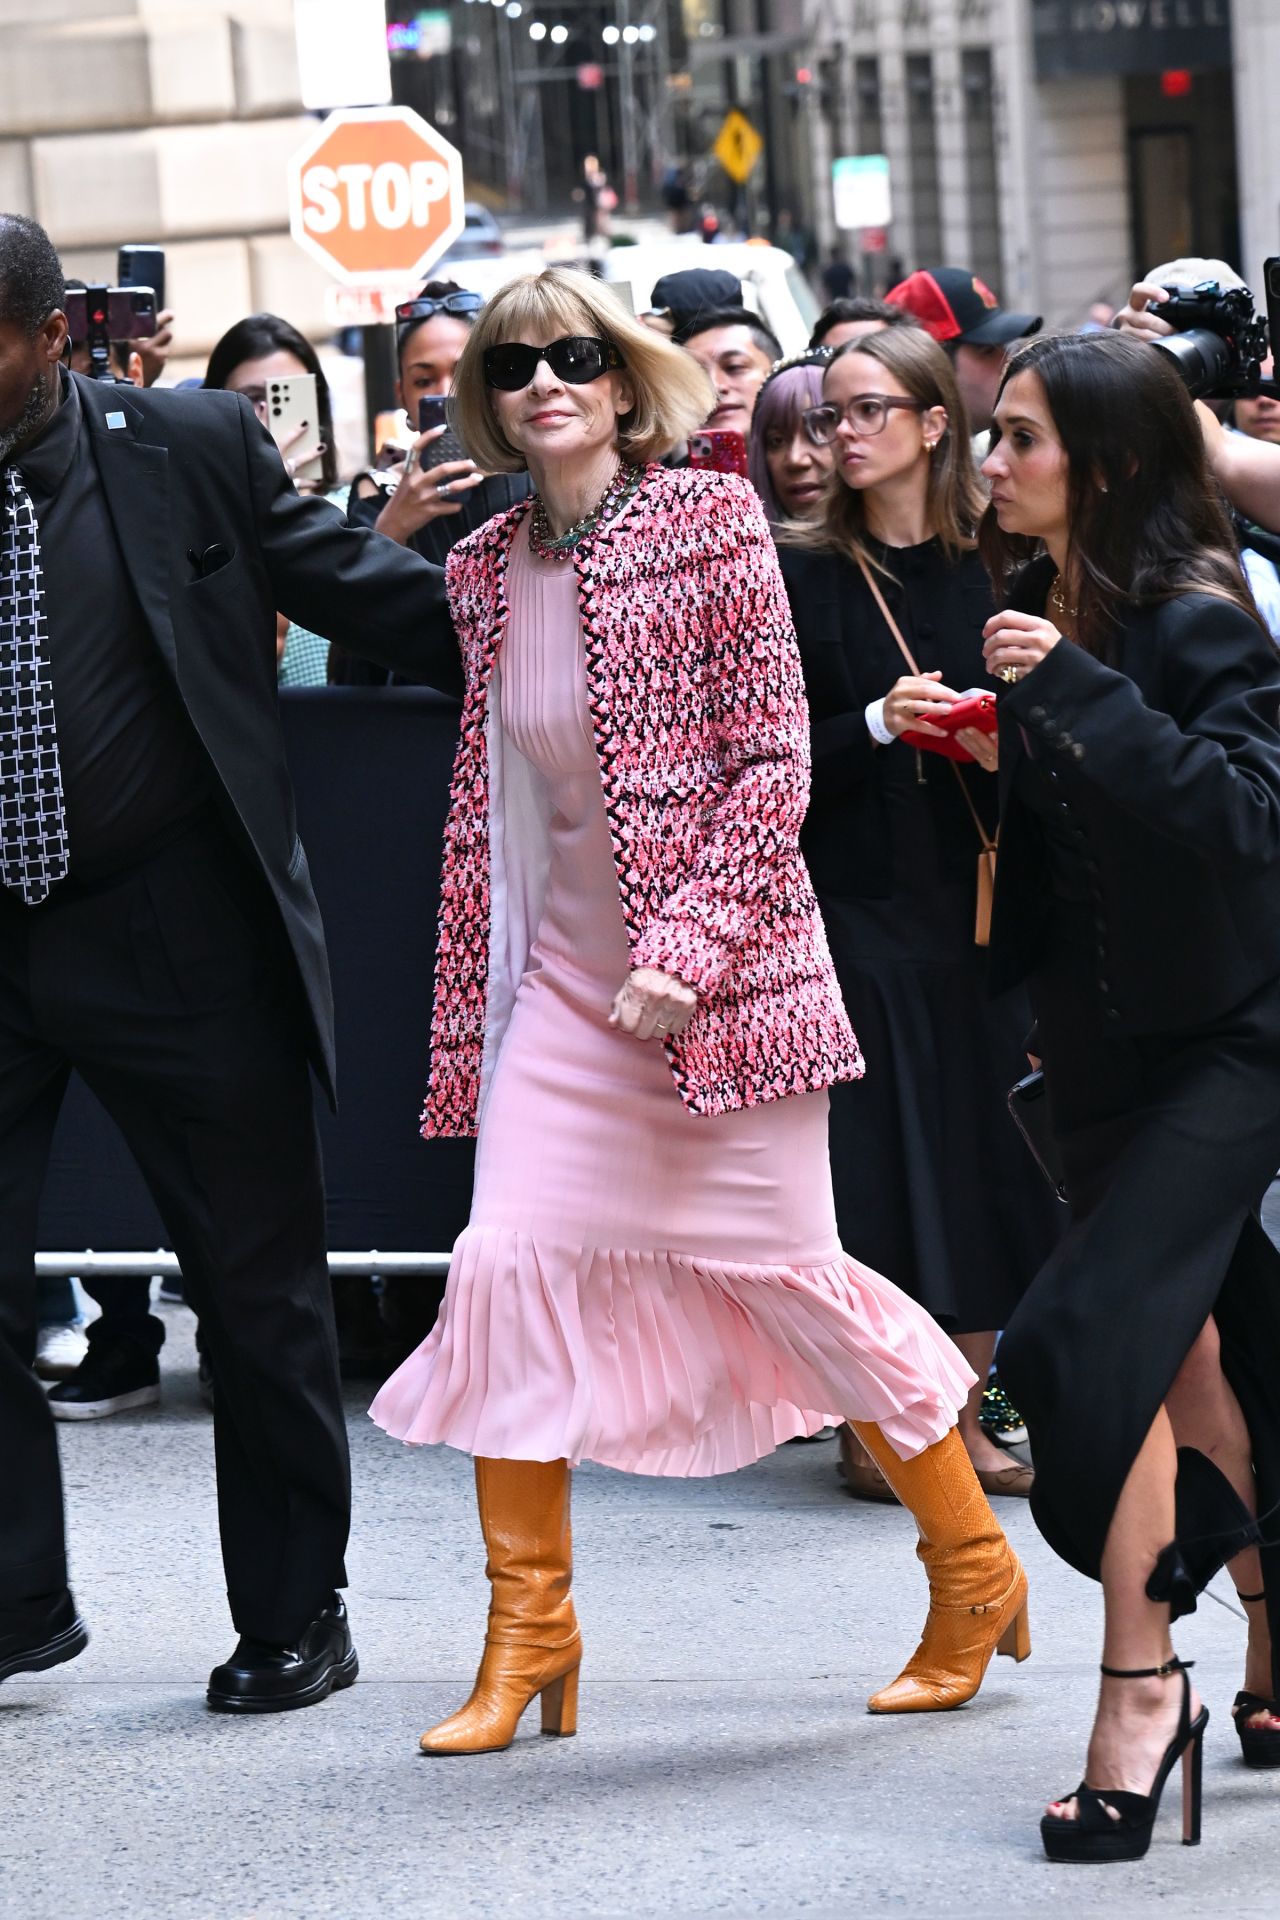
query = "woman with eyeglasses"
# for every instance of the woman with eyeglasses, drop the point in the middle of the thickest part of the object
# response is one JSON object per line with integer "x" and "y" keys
{"x": 789, "y": 469}
{"x": 931, "y": 1179}
{"x": 636, "y": 1007}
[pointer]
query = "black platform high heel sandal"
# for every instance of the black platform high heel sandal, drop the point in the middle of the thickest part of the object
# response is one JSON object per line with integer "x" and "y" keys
{"x": 1259, "y": 1746}
{"x": 1095, "y": 1834}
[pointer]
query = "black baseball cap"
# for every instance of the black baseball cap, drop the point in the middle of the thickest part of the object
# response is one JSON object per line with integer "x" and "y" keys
{"x": 954, "y": 305}
{"x": 692, "y": 292}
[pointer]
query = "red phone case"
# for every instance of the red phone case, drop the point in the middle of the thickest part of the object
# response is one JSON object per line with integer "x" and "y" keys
{"x": 980, "y": 712}
{"x": 721, "y": 452}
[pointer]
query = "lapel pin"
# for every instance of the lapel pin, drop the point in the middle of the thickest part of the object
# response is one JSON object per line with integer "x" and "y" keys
{"x": 116, "y": 421}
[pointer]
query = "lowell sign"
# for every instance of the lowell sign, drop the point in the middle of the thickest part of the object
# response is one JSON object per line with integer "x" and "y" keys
{"x": 1129, "y": 36}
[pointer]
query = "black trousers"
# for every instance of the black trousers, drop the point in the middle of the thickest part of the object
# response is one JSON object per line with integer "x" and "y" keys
{"x": 170, "y": 989}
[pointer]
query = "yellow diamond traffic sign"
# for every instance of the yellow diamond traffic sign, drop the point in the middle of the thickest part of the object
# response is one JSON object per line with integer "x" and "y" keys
{"x": 738, "y": 146}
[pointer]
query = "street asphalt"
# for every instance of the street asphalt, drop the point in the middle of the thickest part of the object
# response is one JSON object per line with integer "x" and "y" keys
{"x": 725, "y": 1764}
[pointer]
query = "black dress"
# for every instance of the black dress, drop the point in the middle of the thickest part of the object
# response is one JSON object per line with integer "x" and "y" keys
{"x": 1132, "y": 810}
{"x": 932, "y": 1183}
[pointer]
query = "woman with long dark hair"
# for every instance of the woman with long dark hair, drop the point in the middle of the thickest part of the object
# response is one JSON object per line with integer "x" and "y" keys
{"x": 928, "y": 1172}
{"x": 259, "y": 348}
{"x": 1140, "y": 775}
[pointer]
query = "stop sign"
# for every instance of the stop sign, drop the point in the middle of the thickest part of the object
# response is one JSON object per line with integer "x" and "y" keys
{"x": 376, "y": 195}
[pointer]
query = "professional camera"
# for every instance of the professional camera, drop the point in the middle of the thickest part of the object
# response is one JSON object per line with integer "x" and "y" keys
{"x": 96, "y": 316}
{"x": 1220, "y": 342}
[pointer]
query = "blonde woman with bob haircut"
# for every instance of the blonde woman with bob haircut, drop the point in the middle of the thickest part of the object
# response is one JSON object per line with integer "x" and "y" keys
{"x": 928, "y": 1171}
{"x": 636, "y": 1010}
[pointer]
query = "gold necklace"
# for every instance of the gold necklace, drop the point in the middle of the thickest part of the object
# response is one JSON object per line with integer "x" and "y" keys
{"x": 1064, "y": 614}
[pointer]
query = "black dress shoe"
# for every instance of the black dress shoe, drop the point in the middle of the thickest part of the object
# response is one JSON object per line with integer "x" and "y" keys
{"x": 41, "y": 1634}
{"x": 261, "y": 1678}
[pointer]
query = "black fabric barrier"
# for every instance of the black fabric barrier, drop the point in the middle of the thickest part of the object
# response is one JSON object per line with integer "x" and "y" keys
{"x": 371, "y": 772}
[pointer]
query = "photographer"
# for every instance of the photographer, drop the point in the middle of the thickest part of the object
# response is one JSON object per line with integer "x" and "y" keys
{"x": 1246, "y": 468}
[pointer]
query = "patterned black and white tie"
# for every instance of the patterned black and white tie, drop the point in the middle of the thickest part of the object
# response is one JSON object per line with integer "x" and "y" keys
{"x": 33, "y": 826}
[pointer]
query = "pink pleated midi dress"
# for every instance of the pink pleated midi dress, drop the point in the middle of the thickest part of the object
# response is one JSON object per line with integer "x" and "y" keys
{"x": 638, "y": 1285}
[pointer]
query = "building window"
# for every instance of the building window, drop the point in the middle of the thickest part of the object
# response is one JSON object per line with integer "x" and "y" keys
{"x": 922, "y": 150}
{"x": 980, "y": 158}
{"x": 866, "y": 86}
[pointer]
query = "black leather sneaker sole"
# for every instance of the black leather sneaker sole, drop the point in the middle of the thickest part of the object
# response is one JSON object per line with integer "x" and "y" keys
{"x": 341, "y": 1674}
{"x": 63, "y": 1646}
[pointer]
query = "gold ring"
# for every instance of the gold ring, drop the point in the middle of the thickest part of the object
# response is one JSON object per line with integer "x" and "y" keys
{"x": 1010, "y": 675}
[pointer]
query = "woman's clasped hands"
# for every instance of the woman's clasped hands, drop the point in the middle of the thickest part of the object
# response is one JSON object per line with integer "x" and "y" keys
{"x": 915, "y": 702}
{"x": 652, "y": 1005}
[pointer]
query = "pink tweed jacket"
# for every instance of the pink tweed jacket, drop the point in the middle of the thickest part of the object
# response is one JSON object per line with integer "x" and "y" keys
{"x": 701, "y": 726}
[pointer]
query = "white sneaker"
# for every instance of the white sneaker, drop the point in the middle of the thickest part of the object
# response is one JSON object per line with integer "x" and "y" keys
{"x": 59, "y": 1351}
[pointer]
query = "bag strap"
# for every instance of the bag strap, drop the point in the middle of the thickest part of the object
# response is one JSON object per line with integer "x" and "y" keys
{"x": 988, "y": 844}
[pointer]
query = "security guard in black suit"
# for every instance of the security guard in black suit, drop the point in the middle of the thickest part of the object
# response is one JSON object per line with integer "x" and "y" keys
{"x": 159, "y": 933}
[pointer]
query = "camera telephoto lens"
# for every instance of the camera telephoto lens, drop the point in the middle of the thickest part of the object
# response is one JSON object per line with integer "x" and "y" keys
{"x": 1205, "y": 360}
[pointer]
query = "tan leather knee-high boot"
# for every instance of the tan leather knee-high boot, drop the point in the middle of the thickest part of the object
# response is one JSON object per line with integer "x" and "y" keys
{"x": 532, "y": 1644}
{"x": 977, "y": 1588}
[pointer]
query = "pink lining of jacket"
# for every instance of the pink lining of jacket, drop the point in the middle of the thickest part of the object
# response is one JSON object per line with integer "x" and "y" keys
{"x": 702, "y": 729}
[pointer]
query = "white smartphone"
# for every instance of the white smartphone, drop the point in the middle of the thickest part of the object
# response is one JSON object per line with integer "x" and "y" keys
{"x": 292, "y": 401}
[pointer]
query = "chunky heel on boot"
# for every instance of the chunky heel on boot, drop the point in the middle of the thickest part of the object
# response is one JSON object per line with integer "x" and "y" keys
{"x": 1114, "y": 1825}
{"x": 532, "y": 1646}
{"x": 560, "y": 1705}
{"x": 1016, "y": 1638}
{"x": 977, "y": 1588}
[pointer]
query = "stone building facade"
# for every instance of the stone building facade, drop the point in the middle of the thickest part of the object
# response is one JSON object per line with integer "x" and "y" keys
{"x": 168, "y": 122}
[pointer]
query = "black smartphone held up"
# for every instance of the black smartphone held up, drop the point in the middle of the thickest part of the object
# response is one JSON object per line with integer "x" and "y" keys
{"x": 142, "y": 267}
{"x": 1030, "y": 1113}
{"x": 109, "y": 313}
{"x": 433, "y": 412}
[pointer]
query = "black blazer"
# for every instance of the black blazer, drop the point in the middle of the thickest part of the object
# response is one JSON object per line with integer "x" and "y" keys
{"x": 216, "y": 541}
{"x": 1168, "y": 771}
{"x": 849, "y": 659}
{"x": 478, "y": 504}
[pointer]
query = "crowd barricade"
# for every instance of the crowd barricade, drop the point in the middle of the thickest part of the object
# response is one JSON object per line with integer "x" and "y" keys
{"x": 371, "y": 772}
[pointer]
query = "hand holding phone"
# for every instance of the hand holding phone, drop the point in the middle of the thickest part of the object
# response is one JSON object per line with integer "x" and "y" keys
{"x": 293, "y": 421}
{"x": 971, "y": 712}
{"x": 446, "y": 446}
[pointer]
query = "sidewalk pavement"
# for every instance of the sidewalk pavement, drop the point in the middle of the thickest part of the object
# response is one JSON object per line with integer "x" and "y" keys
{"x": 725, "y": 1764}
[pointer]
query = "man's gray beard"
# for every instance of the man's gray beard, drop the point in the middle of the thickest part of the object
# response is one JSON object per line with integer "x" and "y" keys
{"x": 32, "y": 417}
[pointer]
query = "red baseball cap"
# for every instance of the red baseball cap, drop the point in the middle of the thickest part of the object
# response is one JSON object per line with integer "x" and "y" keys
{"x": 954, "y": 305}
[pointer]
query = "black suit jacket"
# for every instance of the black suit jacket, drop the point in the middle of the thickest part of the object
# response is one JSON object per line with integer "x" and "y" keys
{"x": 434, "y": 541}
{"x": 1168, "y": 772}
{"x": 216, "y": 541}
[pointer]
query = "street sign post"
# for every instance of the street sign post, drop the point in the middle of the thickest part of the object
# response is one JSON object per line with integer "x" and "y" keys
{"x": 376, "y": 195}
{"x": 737, "y": 147}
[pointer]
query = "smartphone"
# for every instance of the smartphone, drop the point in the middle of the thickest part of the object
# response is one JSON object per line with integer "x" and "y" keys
{"x": 976, "y": 709}
{"x": 142, "y": 267}
{"x": 722, "y": 452}
{"x": 112, "y": 313}
{"x": 433, "y": 412}
{"x": 1030, "y": 1114}
{"x": 292, "y": 401}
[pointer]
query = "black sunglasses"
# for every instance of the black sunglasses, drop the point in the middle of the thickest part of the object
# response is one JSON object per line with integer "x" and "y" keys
{"x": 577, "y": 359}
{"x": 410, "y": 313}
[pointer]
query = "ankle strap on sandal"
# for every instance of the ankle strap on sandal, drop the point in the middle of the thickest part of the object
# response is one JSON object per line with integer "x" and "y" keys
{"x": 1250, "y": 1599}
{"x": 1148, "y": 1673}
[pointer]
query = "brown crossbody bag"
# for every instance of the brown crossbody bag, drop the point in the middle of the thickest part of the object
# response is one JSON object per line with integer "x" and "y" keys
{"x": 988, "y": 847}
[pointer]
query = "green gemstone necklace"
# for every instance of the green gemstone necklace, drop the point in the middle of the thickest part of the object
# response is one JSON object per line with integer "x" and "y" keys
{"x": 558, "y": 546}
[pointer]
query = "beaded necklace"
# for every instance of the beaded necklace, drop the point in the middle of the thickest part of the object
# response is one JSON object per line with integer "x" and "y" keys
{"x": 558, "y": 546}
